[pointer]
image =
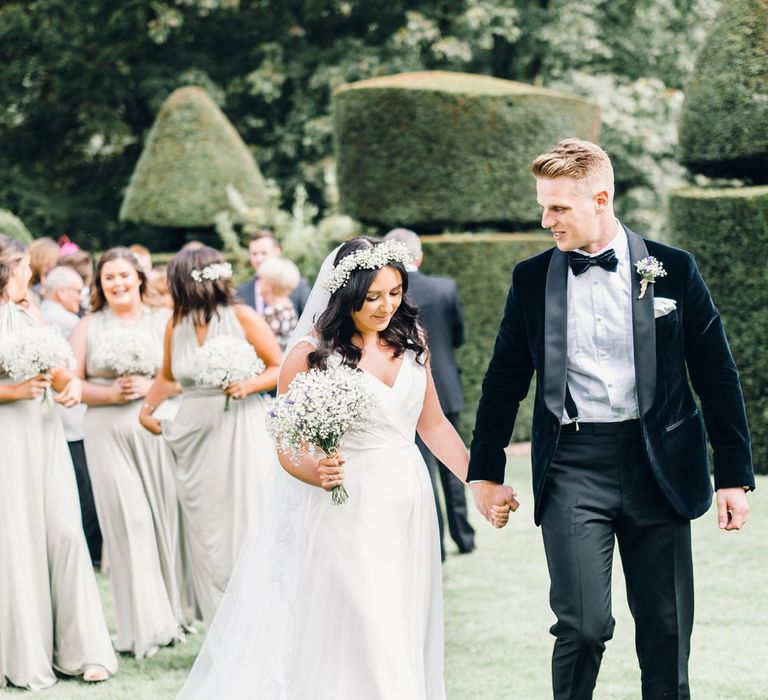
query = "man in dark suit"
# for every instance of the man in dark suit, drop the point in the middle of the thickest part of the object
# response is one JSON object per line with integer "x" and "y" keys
{"x": 618, "y": 449}
{"x": 441, "y": 314}
{"x": 262, "y": 245}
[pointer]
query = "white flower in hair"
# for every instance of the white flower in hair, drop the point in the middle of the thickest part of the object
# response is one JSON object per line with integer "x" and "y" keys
{"x": 366, "y": 259}
{"x": 212, "y": 272}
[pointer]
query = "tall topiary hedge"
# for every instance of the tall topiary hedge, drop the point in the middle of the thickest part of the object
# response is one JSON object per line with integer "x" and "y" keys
{"x": 13, "y": 227}
{"x": 724, "y": 123}
{"x": 727, "y": 231}
{"x": 482, "y": 266}
{"x": 436, "y": 149}
{"x": 192, "y": 153}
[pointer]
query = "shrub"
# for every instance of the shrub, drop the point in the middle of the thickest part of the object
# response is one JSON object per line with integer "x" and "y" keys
{"x": 12, "y": 226}
{"x": 482, "y": 266}
{"x": 727, "y": 231}
{"x": 191, "y": 154}
{"x": 435, "y": 149}
{"x": 724, "y": 123}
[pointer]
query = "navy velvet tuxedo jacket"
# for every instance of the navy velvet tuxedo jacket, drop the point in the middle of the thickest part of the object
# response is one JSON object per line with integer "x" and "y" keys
{"x": 688, "y": 341}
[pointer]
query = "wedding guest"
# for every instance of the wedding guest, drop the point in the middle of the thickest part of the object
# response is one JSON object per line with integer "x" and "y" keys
{"x": 278, "y": 277}
{"x": 263, "y": 246}
{"x": 158, "y": 294}
{"x": 43, "y": 256}
{"x": 224, "y": 459}
{"x": 133, "y": 483}
{"x": 82, "y": 263}
{"x": 614, "y": 325}
{"x": 345, "y": 601}
{"x": 441, "y": 314}
{"x": 51, "y": 620}
{"x": 60, "y": 307}
{"x": 143, "y": 255}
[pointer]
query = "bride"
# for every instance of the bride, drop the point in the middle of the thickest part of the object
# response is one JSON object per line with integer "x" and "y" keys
{"x": 345, "y": 602}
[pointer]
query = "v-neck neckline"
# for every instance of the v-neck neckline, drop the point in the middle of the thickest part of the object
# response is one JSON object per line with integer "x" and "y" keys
{"x": 381, "y": 381}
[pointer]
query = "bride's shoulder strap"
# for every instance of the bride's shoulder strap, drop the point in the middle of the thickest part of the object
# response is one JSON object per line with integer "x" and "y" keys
{"x": 311, "y": 339}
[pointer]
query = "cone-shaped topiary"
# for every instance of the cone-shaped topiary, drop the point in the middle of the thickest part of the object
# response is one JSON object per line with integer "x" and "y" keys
{"x": 13, "y": 227}
{"x": 436, "y": 148}
{"x": 192, "y": 153}
{"x": 727, "y": 231}
{"x": 724, "y": 123}
{"x": 482, "y": 266}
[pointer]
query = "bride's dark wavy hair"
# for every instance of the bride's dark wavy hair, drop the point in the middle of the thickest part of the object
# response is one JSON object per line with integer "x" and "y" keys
{"x": 336, "y": 328}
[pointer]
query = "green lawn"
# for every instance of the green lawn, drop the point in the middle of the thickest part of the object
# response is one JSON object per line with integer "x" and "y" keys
{"x": 497, "y": 620}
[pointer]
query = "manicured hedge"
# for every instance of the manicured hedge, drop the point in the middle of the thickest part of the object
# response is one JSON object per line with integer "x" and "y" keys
{"x": 482, "y": 266}
{"x": 724, "y": 123}
{"x": 13, "y": 227}
{"x": 191, "y": 154}
{"x": 727, "y": 231}
{"x": 438, "y": 149}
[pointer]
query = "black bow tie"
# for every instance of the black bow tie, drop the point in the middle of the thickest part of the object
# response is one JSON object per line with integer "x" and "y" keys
{"x": 581, "y": 263}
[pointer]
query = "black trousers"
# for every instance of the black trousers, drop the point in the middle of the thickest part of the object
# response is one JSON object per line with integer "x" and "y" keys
{"x": 87, "y": 506}
{"x": 462, "y": 533}
{"x": 600, "y": 490}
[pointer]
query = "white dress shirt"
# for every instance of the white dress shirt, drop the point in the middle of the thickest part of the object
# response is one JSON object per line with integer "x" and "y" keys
{"x": 600, "y": 355}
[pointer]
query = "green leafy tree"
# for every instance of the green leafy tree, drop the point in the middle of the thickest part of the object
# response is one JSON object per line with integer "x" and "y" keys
{"x": 84, "y": 80}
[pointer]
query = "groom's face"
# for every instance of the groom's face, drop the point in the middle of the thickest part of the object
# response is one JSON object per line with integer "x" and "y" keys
{"x": 569, "y": 212}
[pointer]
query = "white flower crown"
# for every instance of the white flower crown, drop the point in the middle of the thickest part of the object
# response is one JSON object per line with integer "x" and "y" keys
{"x": 366, "y": 259}
{"x": 213, "y": 272}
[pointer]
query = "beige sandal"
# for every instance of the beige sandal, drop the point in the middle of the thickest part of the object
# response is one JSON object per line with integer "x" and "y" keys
{"x": 94, "y": 673}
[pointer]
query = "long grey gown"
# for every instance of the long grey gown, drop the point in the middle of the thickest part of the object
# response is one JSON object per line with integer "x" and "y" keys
{"x": 50, "y": 612}
{"x": 135, "y": 495}
{"x": 224, "y": 464}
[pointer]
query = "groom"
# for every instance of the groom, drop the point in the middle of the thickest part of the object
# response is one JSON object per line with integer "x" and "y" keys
{"x": 618, "y": 449}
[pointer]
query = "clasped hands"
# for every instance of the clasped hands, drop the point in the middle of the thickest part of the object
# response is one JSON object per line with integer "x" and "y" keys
{"x": 494, "y": 501}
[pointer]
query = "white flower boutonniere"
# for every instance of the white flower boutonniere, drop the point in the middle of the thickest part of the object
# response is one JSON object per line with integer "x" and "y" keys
{"x": 649, "y": 269}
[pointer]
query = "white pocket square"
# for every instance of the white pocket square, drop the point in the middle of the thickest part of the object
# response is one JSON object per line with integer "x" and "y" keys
{"x": 663, "y": 306}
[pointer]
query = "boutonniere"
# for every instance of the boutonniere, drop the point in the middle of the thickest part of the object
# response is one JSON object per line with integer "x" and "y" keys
{"x": 649, "y": 269}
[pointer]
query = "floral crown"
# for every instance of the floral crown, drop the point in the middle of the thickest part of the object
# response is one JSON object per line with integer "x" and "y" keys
{"x": 212, "y": 272}
{"x": 366, "y": 259}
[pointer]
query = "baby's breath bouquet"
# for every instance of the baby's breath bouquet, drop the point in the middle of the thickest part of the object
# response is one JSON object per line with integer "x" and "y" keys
{"x": 223, "y": 360}
{"x": 35, "y": 351}
{"x": 128, "y": 351}
{"x": 319, "y": 408}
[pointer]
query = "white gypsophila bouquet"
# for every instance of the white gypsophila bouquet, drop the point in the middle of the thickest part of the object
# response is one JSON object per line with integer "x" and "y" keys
{"x": 35, "y": 351}
{"x": 223, "y": 360}
{"x": 128, "y": 351}
{"x": 319, "y": 408}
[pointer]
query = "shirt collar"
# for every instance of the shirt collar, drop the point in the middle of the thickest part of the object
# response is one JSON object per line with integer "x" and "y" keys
{"x": 618, "y": 243}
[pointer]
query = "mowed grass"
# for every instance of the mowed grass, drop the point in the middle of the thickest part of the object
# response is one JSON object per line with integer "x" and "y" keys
{"x": 497, "y": 619}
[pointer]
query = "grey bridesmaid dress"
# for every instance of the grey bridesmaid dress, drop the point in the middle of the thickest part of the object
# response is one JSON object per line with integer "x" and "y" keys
{"x": 50, "y": 613}
{"x": 135, "y": 495}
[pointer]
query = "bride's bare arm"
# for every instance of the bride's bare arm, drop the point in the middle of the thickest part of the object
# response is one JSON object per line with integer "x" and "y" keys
{"x": 439, "y": 435}
{"x": 324, "y": 473}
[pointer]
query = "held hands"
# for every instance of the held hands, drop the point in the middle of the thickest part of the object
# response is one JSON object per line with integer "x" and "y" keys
{"x": 149, "y": 422}
{"x": 71, "y": 394}
{"x": 732, "y": 508}
{"x": 330, "y": 471}
{"x": 494, "y": 501}
{"x": 130, "y": 388}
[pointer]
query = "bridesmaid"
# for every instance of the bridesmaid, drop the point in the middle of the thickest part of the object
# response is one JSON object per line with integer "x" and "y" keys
{"x": 50, "y": 613}
{"x": 224, "y": 459}
{"x": 133, "y": 484}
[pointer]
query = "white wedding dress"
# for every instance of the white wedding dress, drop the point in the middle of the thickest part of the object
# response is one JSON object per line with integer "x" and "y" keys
{"x": 339, "y": 602}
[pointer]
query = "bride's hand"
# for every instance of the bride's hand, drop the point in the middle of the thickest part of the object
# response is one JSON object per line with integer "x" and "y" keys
{"x": 330, "y": 471}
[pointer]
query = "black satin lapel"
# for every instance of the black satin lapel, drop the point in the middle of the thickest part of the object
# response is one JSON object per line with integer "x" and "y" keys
{"x": 643, "y": 327}
{"x": 556, "y": 332}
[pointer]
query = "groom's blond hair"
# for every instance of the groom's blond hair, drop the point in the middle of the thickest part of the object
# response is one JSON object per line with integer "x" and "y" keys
{"x": 581, "y": 160}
